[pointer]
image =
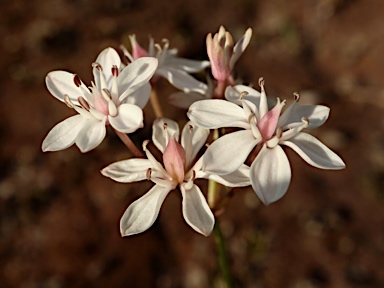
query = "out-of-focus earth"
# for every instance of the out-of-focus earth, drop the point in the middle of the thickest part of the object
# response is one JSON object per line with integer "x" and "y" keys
{"x": 59, "y": 217}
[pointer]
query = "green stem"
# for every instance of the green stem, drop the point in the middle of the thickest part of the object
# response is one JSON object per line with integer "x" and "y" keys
{"x": 155, "y": 103}
{"x": 223, "y": 258}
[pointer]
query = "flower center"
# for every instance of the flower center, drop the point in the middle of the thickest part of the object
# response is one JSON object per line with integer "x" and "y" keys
{"x": 174, "y": 160}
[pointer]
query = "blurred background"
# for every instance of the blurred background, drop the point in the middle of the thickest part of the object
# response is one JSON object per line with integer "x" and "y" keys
{"x": 59, "y": 217}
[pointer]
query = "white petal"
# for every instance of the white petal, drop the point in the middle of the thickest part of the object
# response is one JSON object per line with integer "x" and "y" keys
{"x": 229, "y": 152}
{"x": 314, "y": 152}
{"x": 61, "y": 83}
{"x": 182, "y": 80}
{"x": 270, "y": 174}
{"x": 135, "y": 75}
{"x": 63, "y": 134}
{"x": 233, "y": 94}
{"x": 129, "y": 118}
{"x": 160, "y": 133}
{"x": 192, "y": 139}
{"x": 239, "y": 178}
{"x": 91, "y": 135}
{"x": 316, "y": 114}
{"x": 184, "y": 100}
{"x": 140, "y": 96}
{"x": 240, "y": 47}
{"x": 196, "y": 211}
{"x": 128, "y": 171}
{"x": 215, "y": 113}
{"x": 142, "y": 213}
{"x": 190, "y": 66}
{"x": 107, "y": 59}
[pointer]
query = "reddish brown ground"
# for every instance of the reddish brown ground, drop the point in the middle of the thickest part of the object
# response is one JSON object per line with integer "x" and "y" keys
{"x": 59, "y": 216}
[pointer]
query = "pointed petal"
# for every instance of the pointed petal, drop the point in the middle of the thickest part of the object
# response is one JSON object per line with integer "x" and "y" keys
{"x": 91, "y": 135}
{"x": 107, "y": 59}
{"x": 135, "y": 75}
{"x": 129, "y": 118}
{"x": 215, "y": 113}
{"x": 142, "y": 213}
{"x": 140, "y": 96}
{"x": 314, "y": 152}
{"x": 184, "y": 100}
{"x": 190, "y": 66}
{"x": 192, "y": 139}
{"x": 240, "y": 47}
{"x": 233, "y": 94}
{"x": 128, "y": 171}
{"x": 316, "y": 114}
{"x": 229, "y": 152}
{"x": 61, "y": 83}
{"x": 196, "y": 211}
{"x": 182, "y": 80}
{"x": 161, "y": 129}
{"x": 238, "y": 178}
{"x": 63, "y": 134}
{"x": 270, "y": 174}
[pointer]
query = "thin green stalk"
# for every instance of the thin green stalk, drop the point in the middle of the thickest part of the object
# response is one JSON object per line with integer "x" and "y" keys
{"x": 223, "y": 258}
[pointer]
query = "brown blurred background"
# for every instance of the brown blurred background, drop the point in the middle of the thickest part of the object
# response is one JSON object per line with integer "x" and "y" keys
{"x": 59, "y": 216}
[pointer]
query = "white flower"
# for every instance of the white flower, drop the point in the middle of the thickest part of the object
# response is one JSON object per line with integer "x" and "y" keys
{"x": 116, "y": 98}
{"x": 270, "y": 172}
{"x": 171, "y": 67}
{"x": 180, "y": 169}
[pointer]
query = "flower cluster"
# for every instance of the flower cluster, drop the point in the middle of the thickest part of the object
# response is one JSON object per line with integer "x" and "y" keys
{"x": 249, "y": 153}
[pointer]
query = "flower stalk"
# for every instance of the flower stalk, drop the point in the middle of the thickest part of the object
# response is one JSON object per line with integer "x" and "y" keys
{"x": 223, "y": 257}
{"x": 155, "y": 103}
{"x": 130, "y": 145}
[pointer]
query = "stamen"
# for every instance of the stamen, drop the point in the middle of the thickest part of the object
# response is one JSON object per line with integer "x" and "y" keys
{"x": 165, "y": 126}
{"x": 158, "y": 47}
{"x": 250, "y": 117}
{"x": 68, "y": 101}
{"x": 77, "y": 80}
{"x": 97, "y": 66}
{"x": 242, "y": 94}
{"x": 296, "y": 96}
{"x": 190, "y": 127}
{"x": 261, "y": 82}
{"x": 193, "y": 175}
{"x": 83, "y": 103}
{"x": 305, "y": 120}
{"x": 145, "y": 143}
{"x": 148, "y": 174}
{"x": 106, "y": 94}
{"x": 115, "y": 71}
{"x": 279, "y": 132}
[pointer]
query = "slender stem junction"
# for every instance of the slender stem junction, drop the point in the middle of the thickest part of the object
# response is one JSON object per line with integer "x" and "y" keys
{"x": 130, "y": 145}
{"x": 155, "y": 103}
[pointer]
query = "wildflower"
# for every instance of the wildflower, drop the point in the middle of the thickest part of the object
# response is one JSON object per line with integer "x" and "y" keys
{"x": 223, "y": 54}
{"x": 180, "y": 170}
{"x": 270, "y": 172}
{"x": 176, "y": 70}
{"x": 116, "y": 97}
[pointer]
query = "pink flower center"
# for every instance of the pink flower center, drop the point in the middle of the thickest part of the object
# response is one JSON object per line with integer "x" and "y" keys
{"x": 267, "y": 124}
{"x": 174, "y": 160}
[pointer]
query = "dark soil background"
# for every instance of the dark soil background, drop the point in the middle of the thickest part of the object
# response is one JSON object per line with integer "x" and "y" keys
{"x": 59, "y": 216}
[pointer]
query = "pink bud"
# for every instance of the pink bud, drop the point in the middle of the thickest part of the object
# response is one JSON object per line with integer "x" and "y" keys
{"x": 137, "y": 50}
{"x": 174, "y": 160}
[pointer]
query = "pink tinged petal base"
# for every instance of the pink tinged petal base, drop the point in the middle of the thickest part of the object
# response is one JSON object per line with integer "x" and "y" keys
{"x": 63, "y": 134}
{"x": 314, "y": 152}
{"x": 267, "y": 124}
{"x": 174, "y": 160}
{"x": 270, "y": 174}
{"x": 229, "y": 152}
{"x": 129, "y": 118}
{"x": 142, "y": 213}
{"x": 91, "y": 135}
{"x": 196, "y": 211}
{"x": 128, "y": 171}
